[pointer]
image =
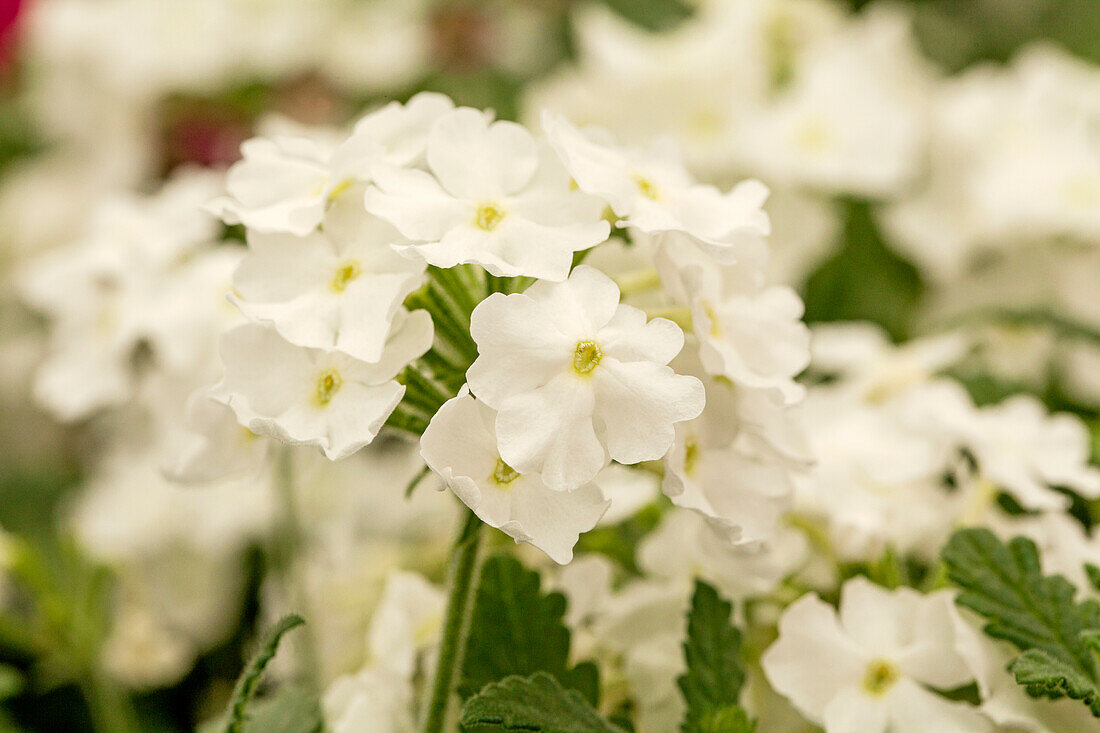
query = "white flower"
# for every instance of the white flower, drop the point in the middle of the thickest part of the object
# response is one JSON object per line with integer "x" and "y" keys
{"x": 373, "y": 699}
{"x": 749, "y": 333}
{"x": 336, "y": 289}
{"x": 216, "y": 445}
{"x": 460, "y": 445}
{"x": 493, "y": 197}
{"x": 870, "y": 144}
{"x": 870, "y": 670}
{"x": 1025, "y": 451}
{"x": 406, "y": 620}
{"x": 142, "y": 653}
{"x": 402, "y": 129}
{"x": 732, "y": 464}
{"x": 285, "y": 183}
{"x": 652, "y": 191}
{"x": 305, "y": 396}
{"x": 138, "y": 277}
{"x": 576, "y": 377}
{"x": 871, "y": 367}
{"x": 684, "y": 546}
{"x": 879, "y": 476}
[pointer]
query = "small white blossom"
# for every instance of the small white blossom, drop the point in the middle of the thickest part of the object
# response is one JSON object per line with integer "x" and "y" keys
{"x": 216, "y": 445}
{"x": 493, "y": 197}
{"x": 652, "y": 191}
{"x": 740, "y": 491}
{"x": 406, "y": 621}
{"x": 285, "y": 183}
{"x": 460, "y": 445}
{"x": 1025, "y": 451}
{"x": 749, "y": 333}
{"x": 869, "y": 669}
{"x": 336, "y": 289}
{"x": 305, "y": 396}
{"x": 373, "y": 699}
{"x": 576, "y": 377}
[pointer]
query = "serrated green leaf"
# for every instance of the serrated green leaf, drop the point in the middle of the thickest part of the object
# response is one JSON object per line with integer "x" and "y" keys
{"x": 518, "y": 630}
{"x": 732, "y": 719}
{"x": 712, "y": 651}
{"x": 538, "y": 704}
{"x": 1046, "y": 676}
{"x": 246, "y": 686}
{"x": 1038, "y": 614}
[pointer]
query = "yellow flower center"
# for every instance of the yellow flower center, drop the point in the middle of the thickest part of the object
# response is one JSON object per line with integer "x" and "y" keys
{"x": 814, "y": 136}
{"x": 345, "y": 273}
{"x": 340, "y": 188}
{"x": 488, "y": 217}
{"x": 646, "y": 187}
{"x": 586, "y": 357}
{"x": 879, "y": 677}
{"x": 328, "y": 384}
{"x": 504, "y": 474}
{"x": 691, "y": 456}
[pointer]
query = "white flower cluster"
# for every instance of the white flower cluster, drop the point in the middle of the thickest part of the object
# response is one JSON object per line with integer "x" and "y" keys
{"x": 147, "y": 275}
{"x": 583, "y": 322}
{"x": 904, "y": 456}
{"x": 566, "y": 378}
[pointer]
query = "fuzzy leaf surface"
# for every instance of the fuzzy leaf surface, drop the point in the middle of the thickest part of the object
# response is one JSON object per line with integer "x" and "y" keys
{"x": 518, "y": 630}
{"x": 1038, "y": 614}
{"x": 536, "y": 704}
{"x": 712, "y": 651}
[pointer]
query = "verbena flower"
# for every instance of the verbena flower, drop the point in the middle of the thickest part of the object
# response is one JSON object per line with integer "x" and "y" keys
{"x": 460, "y": 445}
{"x": 576, "y": 378}
{"x": 490, "y": 196}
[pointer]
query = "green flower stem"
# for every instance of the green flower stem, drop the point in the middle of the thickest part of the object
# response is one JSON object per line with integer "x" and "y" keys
{"x": 430, "y": 394}
{"x": 284, "y": 552}
{"x": 465, "y": 572}
{"x": 109, "y": 708}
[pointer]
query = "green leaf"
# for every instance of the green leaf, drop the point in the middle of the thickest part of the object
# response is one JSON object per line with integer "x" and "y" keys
{"x": 865, "y": 280}
{"x": 290, "y": 710}
{"x": 652, "y": 15}
{"x": 731, "y": 719}
{"x": 250, "y": 678}
{"x": 1038, "y": 614}
{"x": 620, "y": 541}
{"x": 11, "y": 681}
{"x": 1093, "y": 573}
{"x": 537, "y": 704}
{"x": 517, "y": 630}
{"x": 712, "y": 650}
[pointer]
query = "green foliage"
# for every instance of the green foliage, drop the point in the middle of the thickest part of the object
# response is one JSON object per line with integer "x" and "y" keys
{"x": 652, "y": 15}
{"x": 715, "y": 675}
{"x": 538, "y": 704}
{"x": 865, "y": 280}
{"x": 620, "y": 541}
{"x": 290, "y": 710}
{"x": 245, "y": 689}
{"x": 449, "y": 296}
{"x": 730, "y": 719}
{"x": 517, "y": 630}
{"x": 1038, "y": 614}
